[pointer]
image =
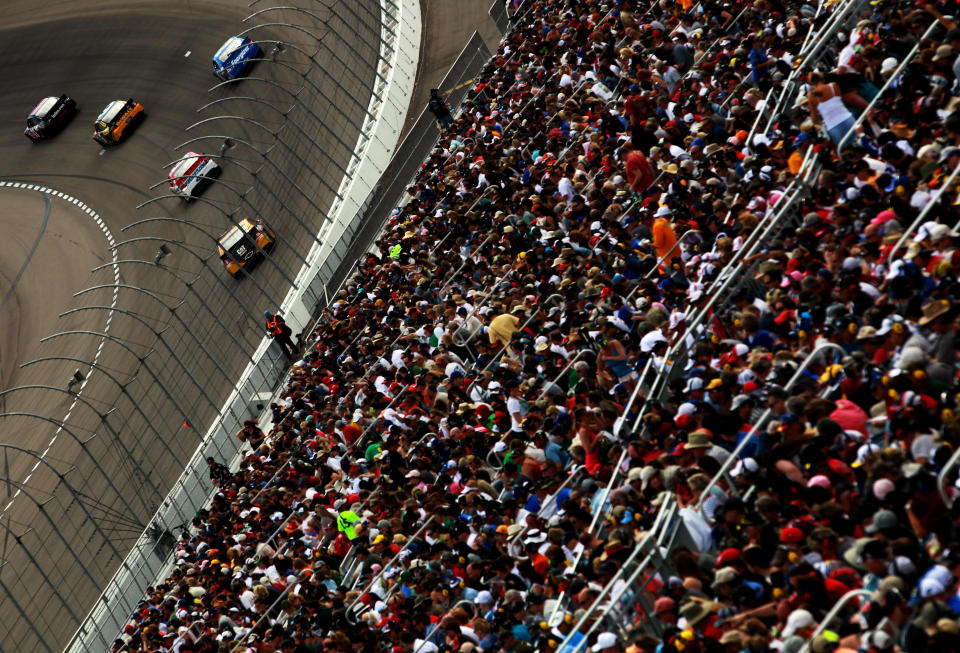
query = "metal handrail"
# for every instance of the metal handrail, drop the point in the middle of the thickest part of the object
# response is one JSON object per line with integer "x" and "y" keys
{"x": 666, "y": 256}
{"x": 650, "y": 538}
{"x": 739, "y": 257}
{"x": 389, "y": 564}
{"x": 618, "y": 425}
{"x": 559, "y": 376}
{"x": 735, "y": 455}
{"x": 896, "y": 73}
{"x": 549, "y": 501}
{"x": 426, "y": 638}
{"x": 596, "y": 516}
{"x": 462, "y": 265}
{"x": 499, "y": 353}
{"x": 827, "y": 32}
{"x": 303, "y": 575}
{"x": 926, "y": 209}
{"x": 834, "y": 611}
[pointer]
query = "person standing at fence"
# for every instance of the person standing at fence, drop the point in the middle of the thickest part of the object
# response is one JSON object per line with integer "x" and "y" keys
{"x": 440, "y": 109}
{"x": 252, "y": 434}
{"x": 219, "y": 473}
{"x": 280, "y": 332}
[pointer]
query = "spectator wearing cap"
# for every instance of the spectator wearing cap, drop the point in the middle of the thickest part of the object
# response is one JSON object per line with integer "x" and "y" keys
{"x": 700, "y": 444}
{"x": 664, "y": 237}
{"x": 716, "y": 393}
{"x": 665, "y": 609}
{"x": 939, "y": 320}
{"x": 606, "y": 643}
{"x": 725, "y": 582}
{"x": 800, "y": 623}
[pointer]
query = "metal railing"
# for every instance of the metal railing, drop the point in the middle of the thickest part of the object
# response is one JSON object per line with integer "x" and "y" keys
{"x": 832, "y": 614}
{"x": 626, "y": 576}
{"x": 389, "y": 564}
{"x": 748, "y": 438}
{"x": 549, "y": 507}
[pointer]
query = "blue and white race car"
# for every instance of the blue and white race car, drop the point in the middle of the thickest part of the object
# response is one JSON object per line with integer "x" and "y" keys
{"x": 235, "y": 57}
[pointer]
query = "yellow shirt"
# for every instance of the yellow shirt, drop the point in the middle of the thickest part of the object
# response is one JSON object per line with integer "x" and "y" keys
{"x": 502, "y": 328}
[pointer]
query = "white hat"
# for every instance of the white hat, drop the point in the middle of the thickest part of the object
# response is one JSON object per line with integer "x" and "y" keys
{"x": 931, "y": 150}
{"x": 483, "y": 597}
{"x": 865, "y": 450}
{"x": 931, "y": 587}
{"x": 924, "y": 231}
{"x": 424, "y": 646}
{"x": 745, "y": 466}
{"x": 676, "y": 318}
{"x": 739, "y": 401}
{"x": 888, "y": 64}
{"x": 797, "y": 620}
{"x": 649, "y": 341}
{"x": 939, "y": 231}
{"x": 689, "y": 408}
{"x": 695, "y": 383}
{"x": 695, "y": 291}
{"x": 604, "y": 640}
{"x": 887, "y": 325}
{"x": 662, "y": 211}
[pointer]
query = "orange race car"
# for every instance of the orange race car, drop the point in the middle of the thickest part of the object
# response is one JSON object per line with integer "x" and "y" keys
{"x": 117, "y": 121}
{"x": 236, "y": 246}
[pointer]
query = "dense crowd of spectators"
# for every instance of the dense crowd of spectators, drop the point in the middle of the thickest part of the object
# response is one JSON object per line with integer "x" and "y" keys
{"x": 435, "y": 478}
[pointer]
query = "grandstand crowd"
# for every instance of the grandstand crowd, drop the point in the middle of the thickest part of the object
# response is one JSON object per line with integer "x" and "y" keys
{"x": 621, "y": 290}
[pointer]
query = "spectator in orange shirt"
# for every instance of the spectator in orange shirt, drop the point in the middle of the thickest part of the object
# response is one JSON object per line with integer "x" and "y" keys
{"x": 803, "y": 141}
{"x": 664, "y": 237}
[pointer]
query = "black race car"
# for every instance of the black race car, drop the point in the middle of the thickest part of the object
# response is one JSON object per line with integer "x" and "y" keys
{"x": 49, "y": 117}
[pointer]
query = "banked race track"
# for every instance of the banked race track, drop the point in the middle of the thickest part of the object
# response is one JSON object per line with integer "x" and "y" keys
{"x": 157, "y": 347}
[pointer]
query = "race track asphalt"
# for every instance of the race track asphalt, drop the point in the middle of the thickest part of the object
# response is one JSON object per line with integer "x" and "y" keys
{"x": 74, "y": 499}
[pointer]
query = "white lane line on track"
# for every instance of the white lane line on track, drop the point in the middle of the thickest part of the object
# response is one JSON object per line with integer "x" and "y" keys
{"x": 106, "y": 329}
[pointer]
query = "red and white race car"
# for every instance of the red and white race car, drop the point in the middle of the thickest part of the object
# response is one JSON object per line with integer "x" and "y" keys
{"x": 192, "y": 174}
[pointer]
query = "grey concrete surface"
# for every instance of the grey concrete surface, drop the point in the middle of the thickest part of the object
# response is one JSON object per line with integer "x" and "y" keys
{"x": 447, "y": 26}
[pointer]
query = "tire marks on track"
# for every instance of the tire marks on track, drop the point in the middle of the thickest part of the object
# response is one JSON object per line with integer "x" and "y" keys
{"x": 48, "y": 193}
{"x": 36, "y": 243}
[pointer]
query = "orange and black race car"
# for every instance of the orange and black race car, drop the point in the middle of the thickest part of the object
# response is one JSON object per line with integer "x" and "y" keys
{"x": 117, "y": 121}
{"x": 236, "y": 246}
